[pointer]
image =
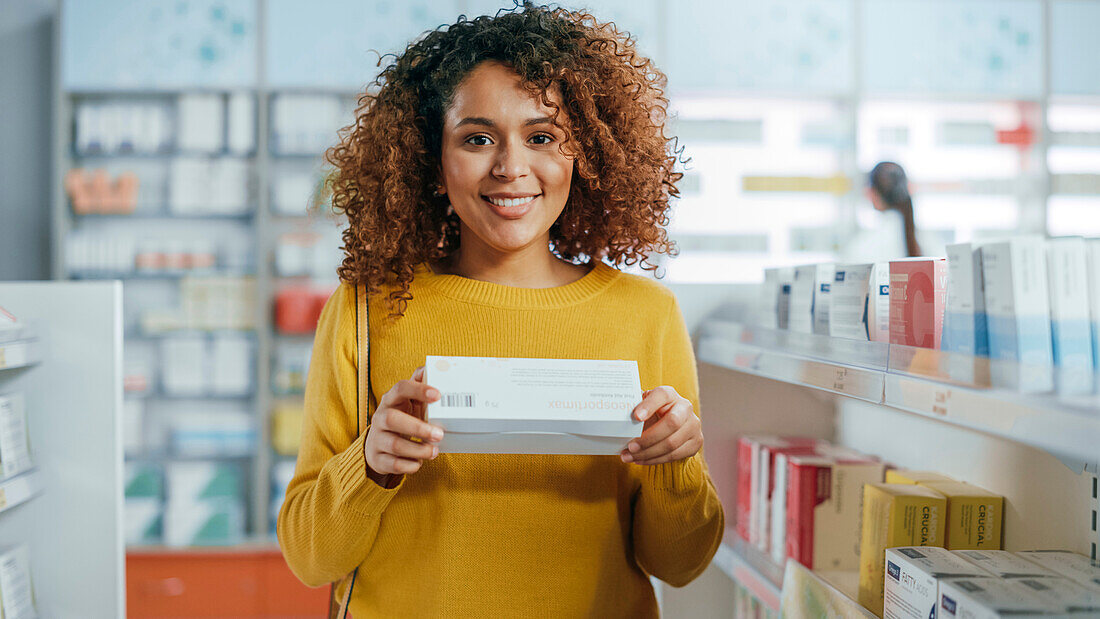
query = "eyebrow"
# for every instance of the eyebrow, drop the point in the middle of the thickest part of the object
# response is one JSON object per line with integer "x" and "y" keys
{"x": 477, "y": 120}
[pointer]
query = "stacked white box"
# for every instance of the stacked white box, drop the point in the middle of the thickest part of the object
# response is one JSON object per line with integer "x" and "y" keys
{"x": 1074, "y": 566}
{"x": 992, "y": 598}
{"x": 767, "y": 309}
{"x": 822, "y": 306}
{"x": 915, "y": 577}
{"x": 801, "y": 318}
{"x": 783, "y": 302}
{"x": 848, "y": 301}
{"x": 878, "y": 303}
{"x": 964, "y": 322}
{"x": 16, "y": 585}
{"x": 1004, "y": 564}
{"x": 205, "y": 504}
{"x": 15, "y": 455}
{"x": 1067, "y": 270}
{"x": 1016, "y": 300}
{"x": 1093, "y": 273}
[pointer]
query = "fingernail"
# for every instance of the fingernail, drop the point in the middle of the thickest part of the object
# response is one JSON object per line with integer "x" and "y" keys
{"x": 433, "y": 394}
{"x": 437, "y": 434}
{"x": 627, "y": 458}
{"x": 632, "y": 447}
{"x": 435, "y": 452}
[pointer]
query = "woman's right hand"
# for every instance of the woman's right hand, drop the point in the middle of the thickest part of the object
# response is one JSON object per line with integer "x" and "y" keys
{"x": 389, "y": 448}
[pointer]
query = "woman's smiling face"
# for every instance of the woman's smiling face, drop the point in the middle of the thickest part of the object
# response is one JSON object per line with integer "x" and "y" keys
{"x": 502, "y": 168}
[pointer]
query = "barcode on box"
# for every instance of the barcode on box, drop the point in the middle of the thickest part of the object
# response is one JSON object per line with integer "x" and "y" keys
{"x": 458, "y": 400}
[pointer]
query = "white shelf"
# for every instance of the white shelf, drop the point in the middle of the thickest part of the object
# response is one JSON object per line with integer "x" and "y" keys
{"x": 19, "y": 489}
{"x": 793, "y": 589}
{"x": 18, "y": 353}
{"x": 825, "y": 594}
{"x": 750, "y": 569}
{"x": 927, "y": 382}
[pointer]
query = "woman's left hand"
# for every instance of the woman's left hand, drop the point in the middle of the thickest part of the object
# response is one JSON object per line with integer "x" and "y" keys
{"x": 671, "y": 432}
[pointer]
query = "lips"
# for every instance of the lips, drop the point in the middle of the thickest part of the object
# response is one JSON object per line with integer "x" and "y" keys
{"x": 515, "y": 208}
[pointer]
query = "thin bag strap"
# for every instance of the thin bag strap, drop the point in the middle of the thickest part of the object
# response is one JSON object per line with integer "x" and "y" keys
{"x": 362, "y": 420}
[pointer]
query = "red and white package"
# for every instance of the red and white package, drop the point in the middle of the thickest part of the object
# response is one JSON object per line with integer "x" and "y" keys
{"x": 824, "y": 506}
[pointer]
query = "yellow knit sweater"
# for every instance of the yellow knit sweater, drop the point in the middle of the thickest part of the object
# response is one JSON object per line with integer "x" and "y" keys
{"x": 498, "y": 535}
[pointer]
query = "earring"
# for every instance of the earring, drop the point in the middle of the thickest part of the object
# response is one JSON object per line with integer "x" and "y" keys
{"x": 439, "y": 190}
{"x": 450, "y": 210}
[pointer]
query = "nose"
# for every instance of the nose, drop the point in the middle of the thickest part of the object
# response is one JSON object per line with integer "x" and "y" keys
{"x": 511, "y": 163}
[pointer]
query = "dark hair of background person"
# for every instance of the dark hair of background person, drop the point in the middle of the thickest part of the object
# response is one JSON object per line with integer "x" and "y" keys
{"x": 888, "y": 180}
{"x": 388, "y": 163}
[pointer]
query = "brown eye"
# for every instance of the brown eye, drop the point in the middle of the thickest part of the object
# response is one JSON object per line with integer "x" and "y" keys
{"x": 542, "y": 139}
{"x": 479, "y": 140}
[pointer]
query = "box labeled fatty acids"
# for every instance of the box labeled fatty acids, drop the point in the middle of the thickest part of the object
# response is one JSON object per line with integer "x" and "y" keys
{"x": 913, "y": 577}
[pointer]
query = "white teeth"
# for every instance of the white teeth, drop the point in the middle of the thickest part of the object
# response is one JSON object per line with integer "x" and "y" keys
{"x": 507, "y": 202}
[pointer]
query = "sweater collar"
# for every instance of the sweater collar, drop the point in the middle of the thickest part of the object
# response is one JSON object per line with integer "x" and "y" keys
{"x": 499, "y": 295}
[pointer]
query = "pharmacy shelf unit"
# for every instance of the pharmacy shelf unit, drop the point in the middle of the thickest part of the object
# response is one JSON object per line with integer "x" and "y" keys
{"x": 913, "y": 380}
{"x": 68, "y": 509}
{"x": 761, "y": 381}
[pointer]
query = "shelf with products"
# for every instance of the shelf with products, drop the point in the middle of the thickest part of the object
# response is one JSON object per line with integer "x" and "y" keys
{"x": 932, "y": 383}
{"x": 19, "y": 353}
{"x": 791, "y": 588}
{"x": 19, "y": 489}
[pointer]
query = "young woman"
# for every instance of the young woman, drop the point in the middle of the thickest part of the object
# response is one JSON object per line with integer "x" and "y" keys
{"x": 888, "y": 189}
{"x": 498, "y": 171}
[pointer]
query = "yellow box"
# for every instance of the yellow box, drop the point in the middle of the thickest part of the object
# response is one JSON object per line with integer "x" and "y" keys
{"x": 974, "y": 516}
{"x": 895, "y": 515}
{"x": 905, "y": 476}
{"x": 286, "y": 428}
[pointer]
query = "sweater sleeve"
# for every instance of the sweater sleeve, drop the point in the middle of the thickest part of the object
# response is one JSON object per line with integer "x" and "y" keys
{"x": 678, "y": 519}
{"x": 332, "y": 510}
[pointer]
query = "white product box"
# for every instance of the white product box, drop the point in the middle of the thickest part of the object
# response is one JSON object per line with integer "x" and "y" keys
{"x": 824, "y": 508}
{"x": 915, "y": 576}
{"x": 242, "y": 123}
{"x": 16, "y": 585}
{"x": 964, "y": 322}
{"x": 201, "y": 433}
{"x": 1094, "y": 297}
{"x": 767, "y": 307}
{"x": 1004, "y": 564}
{"x": 198, "y": 481}
{"x": 11, "y": 328}
{"x": 143, "y": 522}
{"x": 878, "y": 303}
{"x": 183, "y": 366}
{"x": 231, "y": 365}
{"x": 823, "y": 283}
{"x": 992, "y": 598}
{"x": 1018, "y": 308}
{"x": 848, "y": 309}
{"x": 801, "y": 319}
{"x": 203, "y": 523}
{"x": 783, "y": 303}
{"x": 201, "y": 123}
{"x": 1067, "y": 271}
{"x": 1074, "y": 566}
{"x": 15, "y": 453}
{"x": 534, "y": 406}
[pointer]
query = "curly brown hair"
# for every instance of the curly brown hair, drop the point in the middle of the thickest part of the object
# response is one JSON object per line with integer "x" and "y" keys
{"x": 387, "y": 163}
